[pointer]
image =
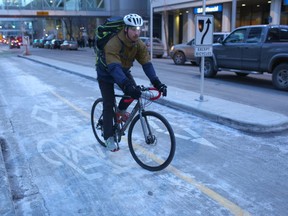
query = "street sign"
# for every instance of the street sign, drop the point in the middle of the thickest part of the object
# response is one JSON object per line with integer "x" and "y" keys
{"x": 204, "y": 30}
{"x": 204, "y": 35}
{"x": 204, "y": 26}
{"x": 203, "y": 51}
{"x": 42, "y": 13}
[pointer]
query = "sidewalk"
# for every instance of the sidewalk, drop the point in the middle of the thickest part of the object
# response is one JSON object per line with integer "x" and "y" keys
{"x": 235, "y": 115}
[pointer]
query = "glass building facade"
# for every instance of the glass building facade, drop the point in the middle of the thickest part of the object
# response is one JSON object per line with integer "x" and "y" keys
{"x": 63, "y": 19}
{"x": 46, "y": 5}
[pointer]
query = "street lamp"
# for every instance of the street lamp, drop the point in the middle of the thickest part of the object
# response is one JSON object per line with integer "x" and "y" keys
{"x": 57, "y": 32}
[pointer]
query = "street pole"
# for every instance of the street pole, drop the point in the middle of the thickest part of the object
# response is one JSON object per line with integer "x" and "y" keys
{"x": 151, "y": 30}
{"x": 233, "y": 20}
{"x": 201, "y": 98}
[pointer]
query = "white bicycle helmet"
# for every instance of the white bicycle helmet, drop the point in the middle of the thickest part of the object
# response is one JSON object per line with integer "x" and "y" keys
{"x": 133, "y": 20}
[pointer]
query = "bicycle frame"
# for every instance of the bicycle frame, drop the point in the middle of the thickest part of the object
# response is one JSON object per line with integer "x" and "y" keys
{"x": 123, "y": 126}
{"x": 120, "y": 128}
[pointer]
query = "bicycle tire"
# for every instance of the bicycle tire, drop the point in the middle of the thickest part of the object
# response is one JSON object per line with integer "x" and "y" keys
{"x": 97, "y": 120}
{"x": 156, "y": 156}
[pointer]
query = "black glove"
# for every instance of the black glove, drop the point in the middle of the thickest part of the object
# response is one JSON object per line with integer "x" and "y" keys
{"x": 160, "y": 86}
{"x": 132, "y": 90}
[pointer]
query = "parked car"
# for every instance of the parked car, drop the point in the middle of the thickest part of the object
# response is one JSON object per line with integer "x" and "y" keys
{"x": 36, "y": 43}
{"x": 55, "y": 43}
{"x": 14, "y": 44}
{"x": 184, "y": 52}
{"x": 41, "y": 43}
{"x": 158, "y": 47}
{"x": 69, "y": 45}
{"x": 4, "y": 41}
{"x": 47, "y": 44}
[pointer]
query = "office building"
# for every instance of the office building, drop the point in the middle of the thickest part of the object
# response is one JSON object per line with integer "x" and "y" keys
{"x": 177, "y": 16}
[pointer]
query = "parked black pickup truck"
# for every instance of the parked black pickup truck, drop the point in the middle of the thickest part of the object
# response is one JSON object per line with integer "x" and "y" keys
{"x": 253, "y": 49}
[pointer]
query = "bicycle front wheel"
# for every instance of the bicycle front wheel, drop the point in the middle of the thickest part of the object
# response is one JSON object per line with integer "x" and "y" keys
{"x": 153, "y": 149}
{"x": 97, "y": 120}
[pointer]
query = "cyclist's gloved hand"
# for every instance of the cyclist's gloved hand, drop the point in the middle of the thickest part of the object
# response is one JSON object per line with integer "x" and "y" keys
{"x": 160, "y": 86}
{"x": 132, "y": 90}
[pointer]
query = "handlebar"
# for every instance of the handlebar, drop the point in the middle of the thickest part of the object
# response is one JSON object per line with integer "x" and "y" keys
{"x": 154, "y": 89}
{"x": 144, "y": 89}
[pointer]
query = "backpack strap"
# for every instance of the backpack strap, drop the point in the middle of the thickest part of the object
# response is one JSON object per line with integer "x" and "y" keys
{"x": 100, "y": 54}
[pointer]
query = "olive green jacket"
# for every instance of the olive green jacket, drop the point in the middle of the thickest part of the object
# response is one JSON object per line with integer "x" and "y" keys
{"x": 119, "y": 55}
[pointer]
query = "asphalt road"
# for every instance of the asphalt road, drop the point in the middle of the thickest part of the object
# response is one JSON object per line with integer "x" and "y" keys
{"x": 255, "y": 90}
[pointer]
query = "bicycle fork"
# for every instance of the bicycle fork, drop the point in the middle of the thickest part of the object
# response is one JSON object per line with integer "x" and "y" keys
{"x": 149, "y": 137}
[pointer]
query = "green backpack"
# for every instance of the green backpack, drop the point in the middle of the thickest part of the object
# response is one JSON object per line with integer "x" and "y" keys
{"x": 104, "y": 33}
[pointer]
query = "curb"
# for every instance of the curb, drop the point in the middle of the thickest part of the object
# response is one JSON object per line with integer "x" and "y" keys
{"x": 239, "y": 125}
{"x": 6, "y": 202}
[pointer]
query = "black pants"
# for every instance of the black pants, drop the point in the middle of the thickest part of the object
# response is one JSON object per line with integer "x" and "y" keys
{"x": 108, "y": 95}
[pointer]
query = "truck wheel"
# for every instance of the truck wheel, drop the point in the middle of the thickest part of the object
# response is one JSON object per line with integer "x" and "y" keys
{"x": 280, "y": 77}
{"x": 179, "y": 58}
{"x": 209, "y": 70}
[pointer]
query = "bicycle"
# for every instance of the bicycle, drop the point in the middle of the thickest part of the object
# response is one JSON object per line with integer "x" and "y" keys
{"x": 151, "y": 139}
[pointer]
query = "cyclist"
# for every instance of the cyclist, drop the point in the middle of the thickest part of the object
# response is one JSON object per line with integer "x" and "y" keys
{"x": 119, "y": 53}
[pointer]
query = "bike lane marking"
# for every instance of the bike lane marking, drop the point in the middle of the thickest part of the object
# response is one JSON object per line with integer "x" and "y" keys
{"x": 232, "y": 207}
{"x": 38, "y": 113}
{"x": 194, "y": 137}
{"x": 87, "y": 115}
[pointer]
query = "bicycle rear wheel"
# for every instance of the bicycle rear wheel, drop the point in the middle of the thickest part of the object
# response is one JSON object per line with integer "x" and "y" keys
{"x": 155, "y": 151}
{"x": 97, "y": 120}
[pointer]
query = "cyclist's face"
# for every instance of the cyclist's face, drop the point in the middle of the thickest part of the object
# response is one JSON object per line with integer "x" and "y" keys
{"x": 134, "y": 33}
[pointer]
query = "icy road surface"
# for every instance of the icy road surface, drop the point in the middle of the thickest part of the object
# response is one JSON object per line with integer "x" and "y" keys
{"x": 56, "y": 167}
